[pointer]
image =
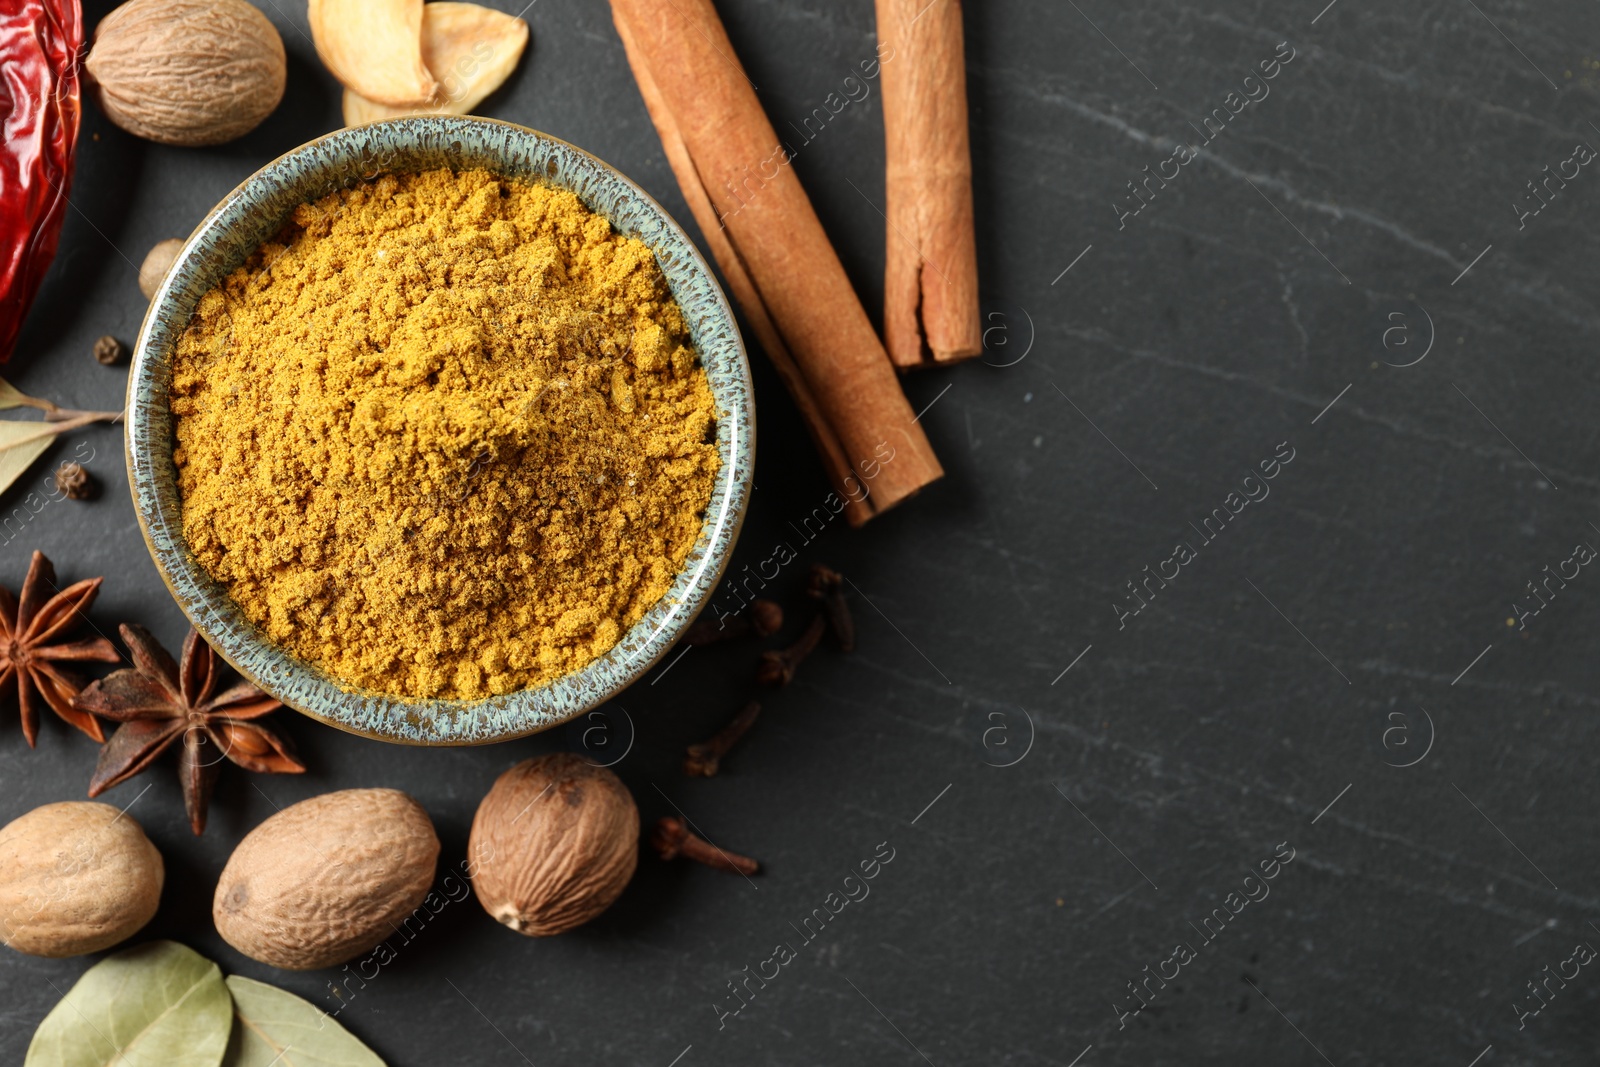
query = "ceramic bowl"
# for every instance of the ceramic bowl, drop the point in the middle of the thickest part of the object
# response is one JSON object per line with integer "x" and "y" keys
{"x": 252, "y": 213}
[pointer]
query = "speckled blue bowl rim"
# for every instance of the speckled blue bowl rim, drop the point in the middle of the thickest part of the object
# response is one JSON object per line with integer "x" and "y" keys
{"x": 254, "y": 212}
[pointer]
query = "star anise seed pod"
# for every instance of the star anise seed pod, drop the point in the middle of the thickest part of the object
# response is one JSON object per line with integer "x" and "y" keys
{"x": 28, "y": 657}
{"x": 159, "y": 701}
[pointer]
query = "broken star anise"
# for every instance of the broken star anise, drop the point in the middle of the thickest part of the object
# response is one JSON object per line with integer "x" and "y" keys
{"x": 160, "y": 701}
{"x": 27, "y": 655}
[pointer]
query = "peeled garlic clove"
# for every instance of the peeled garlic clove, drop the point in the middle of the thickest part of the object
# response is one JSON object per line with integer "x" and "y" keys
{"x": 375, "y": 48}
{"x": 470, "y": 51}
{"x": 358, "y": 109}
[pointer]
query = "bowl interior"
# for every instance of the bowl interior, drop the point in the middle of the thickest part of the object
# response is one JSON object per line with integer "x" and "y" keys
{"x": 254, "y": 212}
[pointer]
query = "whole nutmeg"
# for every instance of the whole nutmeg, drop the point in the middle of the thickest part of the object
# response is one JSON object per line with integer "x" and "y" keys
{"x": 327, "y": 879}
{"x": 553, "y": 844}
{"x": 187, "y": 72}
{"x": 157, "y": 261}
{"x": 75, "y": 877}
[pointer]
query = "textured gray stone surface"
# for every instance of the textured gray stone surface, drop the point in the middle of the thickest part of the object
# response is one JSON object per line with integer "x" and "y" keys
{"x": 1352, "y": 619}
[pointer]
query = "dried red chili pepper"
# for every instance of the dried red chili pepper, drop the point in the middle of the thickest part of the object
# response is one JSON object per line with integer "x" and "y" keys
{"x": 39, "y": 111}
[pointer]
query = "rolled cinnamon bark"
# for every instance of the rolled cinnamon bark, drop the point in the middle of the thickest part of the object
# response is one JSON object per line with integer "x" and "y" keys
{"x": 930, "y": 298}
{"x": 778, "y": 262}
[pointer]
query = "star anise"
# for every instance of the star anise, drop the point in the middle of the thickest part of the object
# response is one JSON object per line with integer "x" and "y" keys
{"x": 28, "y": 656}
{"x": 159, "y": 701}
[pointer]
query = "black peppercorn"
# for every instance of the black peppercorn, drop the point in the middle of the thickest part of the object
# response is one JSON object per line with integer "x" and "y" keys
{"x": 110, "y": 351}
{"x": 74, "y": 482}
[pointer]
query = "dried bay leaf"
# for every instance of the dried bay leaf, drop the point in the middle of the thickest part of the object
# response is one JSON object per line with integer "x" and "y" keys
{"x": 155, "y": 1005}
{"x": 21, "y": 443}
{"x": 12, "y": 397}
{"x": 274, "y": 1028}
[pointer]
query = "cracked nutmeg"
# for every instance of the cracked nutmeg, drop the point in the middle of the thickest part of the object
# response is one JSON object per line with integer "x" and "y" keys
{"x": 159, "y": 701}
{"x": 31, "y": 649}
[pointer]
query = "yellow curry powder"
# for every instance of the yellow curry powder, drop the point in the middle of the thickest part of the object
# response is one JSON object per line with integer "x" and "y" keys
{"x": 444, "y": 435}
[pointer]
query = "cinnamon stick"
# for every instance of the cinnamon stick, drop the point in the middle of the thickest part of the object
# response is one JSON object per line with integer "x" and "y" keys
{"x": 778, "y": 262}
{"x": 930, "y": 311}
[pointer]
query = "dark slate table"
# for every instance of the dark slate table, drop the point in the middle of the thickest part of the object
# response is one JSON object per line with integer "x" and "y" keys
{"x": 1348, "y": 284}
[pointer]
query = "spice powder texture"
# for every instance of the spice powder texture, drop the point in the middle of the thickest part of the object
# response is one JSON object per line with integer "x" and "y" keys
{"x": 444, "y": 436}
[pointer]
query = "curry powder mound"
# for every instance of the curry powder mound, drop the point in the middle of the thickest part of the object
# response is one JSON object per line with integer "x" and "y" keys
{"x": 444, "y": 435}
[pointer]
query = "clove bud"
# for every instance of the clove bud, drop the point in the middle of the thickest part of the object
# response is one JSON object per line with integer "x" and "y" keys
{"x": 671, "y": 839}
{"x": 777, "y": 668}
{"x": 703, "y": 760}
{"x": 827, "y": 585}
{"x": 761, "y": 618}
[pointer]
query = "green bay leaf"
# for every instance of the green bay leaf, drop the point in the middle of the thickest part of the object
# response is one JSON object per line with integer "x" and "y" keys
{"x": 21, "y": 443}
{"x": 155, "y": 1005}
{"x": 274, "y": 1028}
